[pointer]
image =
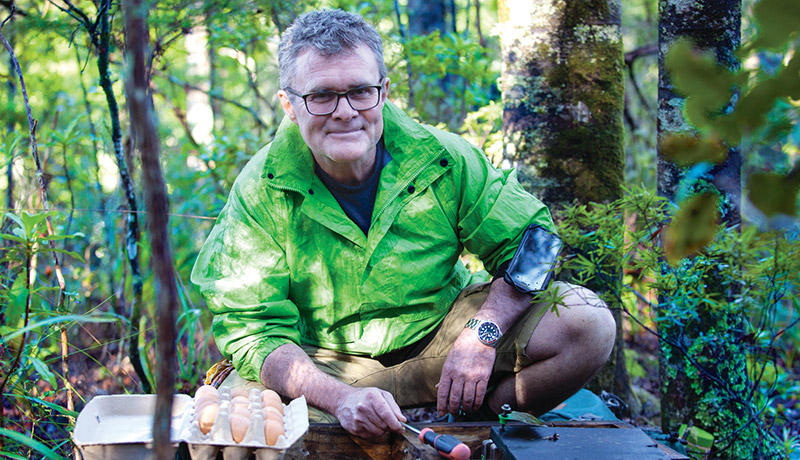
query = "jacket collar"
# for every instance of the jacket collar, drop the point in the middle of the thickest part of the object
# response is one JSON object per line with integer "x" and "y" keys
{"x": 291, "y": 164}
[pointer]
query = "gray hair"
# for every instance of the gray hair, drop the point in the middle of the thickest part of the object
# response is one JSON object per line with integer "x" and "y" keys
{"x": 328, "y": 33}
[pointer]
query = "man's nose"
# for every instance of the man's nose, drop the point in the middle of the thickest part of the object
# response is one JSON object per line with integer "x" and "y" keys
{"x": 343, "y": 110}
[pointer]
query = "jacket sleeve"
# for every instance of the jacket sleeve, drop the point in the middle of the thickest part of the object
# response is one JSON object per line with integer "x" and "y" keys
{"x": 242, "y": 272}
{"x": 494, "y": 209}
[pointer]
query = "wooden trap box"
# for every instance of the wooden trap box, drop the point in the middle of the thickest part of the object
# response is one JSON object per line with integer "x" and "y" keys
{"x": 577, "y": 440}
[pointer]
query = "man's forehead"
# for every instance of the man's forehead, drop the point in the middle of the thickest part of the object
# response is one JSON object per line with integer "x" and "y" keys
{"x": 330, "y": 70}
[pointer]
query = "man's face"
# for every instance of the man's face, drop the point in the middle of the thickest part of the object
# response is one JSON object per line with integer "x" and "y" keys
{"x": 343, "y": 143}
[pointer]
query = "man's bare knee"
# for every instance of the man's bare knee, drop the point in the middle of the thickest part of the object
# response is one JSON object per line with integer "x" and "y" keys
{"x": 583, "y": 327}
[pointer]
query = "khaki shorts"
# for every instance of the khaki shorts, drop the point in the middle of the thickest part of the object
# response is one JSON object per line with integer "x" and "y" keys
{"x": 413, "y": 382}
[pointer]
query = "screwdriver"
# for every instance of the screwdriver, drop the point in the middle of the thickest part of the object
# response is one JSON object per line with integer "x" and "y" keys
{"x": 447, "y": 446}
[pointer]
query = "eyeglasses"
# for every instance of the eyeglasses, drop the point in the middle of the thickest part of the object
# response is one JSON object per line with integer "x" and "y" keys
{"x": 325, "y": 102}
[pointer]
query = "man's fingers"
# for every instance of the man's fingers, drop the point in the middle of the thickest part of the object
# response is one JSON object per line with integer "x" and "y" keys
{"x": 369, "y": 430}
{"x": 396, "y": 412}
{"x": 442, "y": 394}
{"x": 468, "y": 398}
{"x": 456, "y": 390}
{"x": 480, "y": 394}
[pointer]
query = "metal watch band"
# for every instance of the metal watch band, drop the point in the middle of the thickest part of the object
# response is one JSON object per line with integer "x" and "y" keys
{"x": 489, "y": 332}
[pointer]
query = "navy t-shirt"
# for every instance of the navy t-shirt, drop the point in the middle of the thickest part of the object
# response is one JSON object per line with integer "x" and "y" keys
{"x": 358, "y": 201}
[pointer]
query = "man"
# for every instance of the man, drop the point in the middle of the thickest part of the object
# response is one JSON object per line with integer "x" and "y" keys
{"x": 333, "y": 271}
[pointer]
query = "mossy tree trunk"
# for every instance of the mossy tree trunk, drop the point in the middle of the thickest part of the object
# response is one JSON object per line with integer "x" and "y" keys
{"x": 703, "y": 355}
{"x": 563, "y": 98}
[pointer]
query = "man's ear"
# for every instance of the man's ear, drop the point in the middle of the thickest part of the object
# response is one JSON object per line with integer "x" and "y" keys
{"x": 385, "y": 92}
{"x": 287, "y": 105}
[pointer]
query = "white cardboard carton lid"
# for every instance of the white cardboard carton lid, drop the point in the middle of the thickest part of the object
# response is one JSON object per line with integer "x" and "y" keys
{"x": 123, "y": 419}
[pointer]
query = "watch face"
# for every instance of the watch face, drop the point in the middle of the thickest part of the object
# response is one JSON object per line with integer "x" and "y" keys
{"x": 488, "y": 333}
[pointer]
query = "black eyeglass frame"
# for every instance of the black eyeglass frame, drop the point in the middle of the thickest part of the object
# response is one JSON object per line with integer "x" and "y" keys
{"x": 339, "y": 96}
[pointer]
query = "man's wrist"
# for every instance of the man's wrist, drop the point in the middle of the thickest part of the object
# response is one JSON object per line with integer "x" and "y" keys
{"x": 487, "y": 331}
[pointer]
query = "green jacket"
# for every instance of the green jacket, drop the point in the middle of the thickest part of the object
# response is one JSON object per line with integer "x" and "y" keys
{"x": 285, "y": 264}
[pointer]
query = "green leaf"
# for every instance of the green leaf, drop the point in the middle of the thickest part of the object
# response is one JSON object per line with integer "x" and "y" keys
{"x": 72, "y": 254}
{"x": 778, "y": 20}
{"x": 708, "y": 86}
{"x": 16, "y": 302}
{"x": 18, "y": 239}
{"x": 773, "y": 193}
{"x": 63, "y": 237}
{"x": 43, "y": 371}
{"x": 693, "y": 227}
{"x": 685, "y": 150}
{"x": 32, "y": 443}
{"x": 31, "y": 221}
{"x": 15, "y": 218}
{"x": 103, "y": 318}
{"x": 55, "y": 407}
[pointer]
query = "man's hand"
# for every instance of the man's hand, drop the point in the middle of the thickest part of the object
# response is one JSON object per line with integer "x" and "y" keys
{"x": 369, "y": 412}
{"x": 465, "y": 374}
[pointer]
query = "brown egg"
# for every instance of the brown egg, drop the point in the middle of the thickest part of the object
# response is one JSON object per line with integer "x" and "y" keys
{"x": 273, "y": 429}
{"x": 240, "y": 401}
{"x": 206, "y": 390}
{"x": 199, "y": 405}
{"x": 271, "y": 399}
{"x": 206, "y": 417}
{"x": 272, "y": 413}
{"x": 206, "y": 397}
{"x": 239, "y": 409}
{"x": 239, "y": 426}
{"x": 240, "y": 391}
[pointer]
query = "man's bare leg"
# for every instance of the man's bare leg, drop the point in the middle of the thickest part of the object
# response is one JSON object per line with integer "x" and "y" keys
{"x": 567, "y": 349}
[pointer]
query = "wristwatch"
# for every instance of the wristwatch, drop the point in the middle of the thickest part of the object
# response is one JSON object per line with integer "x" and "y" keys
{"x": 488, "y": 331}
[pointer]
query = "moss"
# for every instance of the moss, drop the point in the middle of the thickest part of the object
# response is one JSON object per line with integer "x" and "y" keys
{"x": 588, "y": 154}
{"x": 578, "y": 13}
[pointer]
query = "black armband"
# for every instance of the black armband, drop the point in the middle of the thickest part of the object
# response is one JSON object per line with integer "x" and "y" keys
{"x": 533, "y": 265}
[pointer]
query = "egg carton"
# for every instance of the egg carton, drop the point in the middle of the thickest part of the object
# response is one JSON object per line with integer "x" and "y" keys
{"x": 219, "y": 438}
{"x": 120, "y": 427}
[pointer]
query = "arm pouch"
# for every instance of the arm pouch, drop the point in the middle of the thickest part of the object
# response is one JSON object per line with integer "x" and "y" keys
{"x": 533, "y": 265}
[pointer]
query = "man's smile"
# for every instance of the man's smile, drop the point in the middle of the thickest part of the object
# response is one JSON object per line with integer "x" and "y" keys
{"x": 345, "y": 132}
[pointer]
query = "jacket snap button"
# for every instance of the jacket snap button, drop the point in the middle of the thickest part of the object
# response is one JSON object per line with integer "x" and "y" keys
{"x": 443, "y": 162}
{"x": 411, "y": 189}
{"x": 310, "y": 191}
{"x": 270, "y": 176}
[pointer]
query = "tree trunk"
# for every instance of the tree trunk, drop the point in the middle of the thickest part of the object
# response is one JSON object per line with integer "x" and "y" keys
{"x": 714, "y": 26}
{"x": 145, "y": 134}
{"x": 563, "y": 98}
{"x": 425, "y": 17}
{"x": 703, "y": 356}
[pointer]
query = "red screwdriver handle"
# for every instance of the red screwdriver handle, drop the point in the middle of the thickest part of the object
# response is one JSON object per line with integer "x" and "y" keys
{"x": 447, "y": 446}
